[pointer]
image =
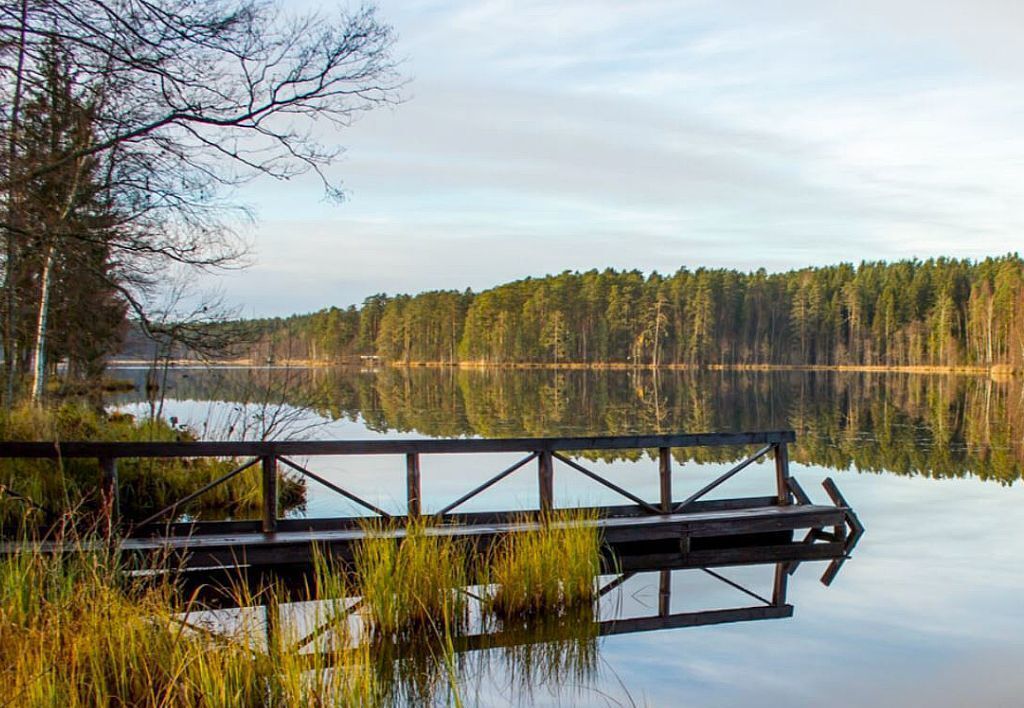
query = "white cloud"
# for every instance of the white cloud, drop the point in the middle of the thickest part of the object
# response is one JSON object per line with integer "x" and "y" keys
{"x": 654, "y": 134}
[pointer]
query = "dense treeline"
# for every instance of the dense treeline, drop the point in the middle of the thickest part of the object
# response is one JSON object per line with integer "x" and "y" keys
{"x": 937, "y": 312}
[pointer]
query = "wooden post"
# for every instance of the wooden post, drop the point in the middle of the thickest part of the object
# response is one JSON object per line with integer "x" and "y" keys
{"x": 546, "y": 481}
{"x": 109, "y": 491}
{"x": 665, "y": 473}
{"x": 785, "y": 497}
{"x": 665, "y": 593}
{"x": 779, "y": 586}
{"x": 412, "y": 485}
{"x": 269, "y": 468}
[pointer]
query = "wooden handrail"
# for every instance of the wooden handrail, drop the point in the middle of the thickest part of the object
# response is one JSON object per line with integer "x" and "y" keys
{"x": 545, "y": 450}
{"x": 114, "y": 450}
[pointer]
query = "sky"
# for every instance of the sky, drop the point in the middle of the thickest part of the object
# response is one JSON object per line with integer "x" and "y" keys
{"x": 537, "y": 137}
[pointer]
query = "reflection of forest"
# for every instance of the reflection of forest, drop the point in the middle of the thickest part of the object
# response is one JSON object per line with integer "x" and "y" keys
{"x": 938, "y": 426}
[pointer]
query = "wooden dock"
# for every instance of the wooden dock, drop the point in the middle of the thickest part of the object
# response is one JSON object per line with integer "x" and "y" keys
{"x": 271, "y": 540}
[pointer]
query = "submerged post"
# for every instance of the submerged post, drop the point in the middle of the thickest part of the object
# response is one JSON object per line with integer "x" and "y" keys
{"x": 782, "y": 474}
{"x": 665, "y": 473}
{"x": 779, "y": 585}
{"x": 665, "y": 593}
{"x": 412, "y": 484}
{"x": 546, "y": 480}
{"x": 109, "y": 490}
{"x": 268, "y": 466}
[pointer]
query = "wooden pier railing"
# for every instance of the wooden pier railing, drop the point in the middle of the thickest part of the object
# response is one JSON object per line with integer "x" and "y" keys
{"x": 547, "y": 452}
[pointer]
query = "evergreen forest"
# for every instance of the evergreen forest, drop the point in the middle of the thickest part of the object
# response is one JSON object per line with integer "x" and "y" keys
{"x": 938, "y": 312}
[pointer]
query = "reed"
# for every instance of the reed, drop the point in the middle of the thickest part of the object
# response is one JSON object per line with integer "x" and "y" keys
{"x": 75, "y": 630}
{"x": 547, "y": 569}
{"x": 411, "y": 664}
{"x": 409, "y": 580}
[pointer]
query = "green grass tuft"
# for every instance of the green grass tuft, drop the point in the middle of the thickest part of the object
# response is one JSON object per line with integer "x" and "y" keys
{"x": 547, "y": 569}
{"x": 410, "y": 584}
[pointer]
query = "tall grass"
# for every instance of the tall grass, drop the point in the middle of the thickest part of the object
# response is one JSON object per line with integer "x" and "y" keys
{"x": 409, "y": 582}
{"x": 547, "y": 569}
{"x": 70, "y": 486}
{"x": 77, "y": 629}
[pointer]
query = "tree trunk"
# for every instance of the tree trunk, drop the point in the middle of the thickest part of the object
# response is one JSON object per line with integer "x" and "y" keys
{"x": 39, "y": 351}
{"x": 10, "y": 283}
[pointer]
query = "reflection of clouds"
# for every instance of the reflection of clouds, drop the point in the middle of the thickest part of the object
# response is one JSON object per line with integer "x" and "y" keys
{"x": 982, "y": 678}
{"x": 937, "y": 561}
{"x": 933, "y": 589}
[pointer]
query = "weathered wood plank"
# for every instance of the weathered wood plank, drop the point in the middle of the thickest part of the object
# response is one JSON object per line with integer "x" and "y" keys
{"x": 54, "y": 450}
{"x": 782, "y": 473}
{"x": 268, "y": 466}
{"x": 196, "y": 528}
{"x": 665, "y": 478}
{"x": 546, "y": 481}
{"x": 295, "y": 546}
{"x": 413, "y": 493}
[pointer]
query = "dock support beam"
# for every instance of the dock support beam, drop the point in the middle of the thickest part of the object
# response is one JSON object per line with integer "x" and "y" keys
{"x": 782, "y": 474}
{"x": 665, "y": 593}
{"x": 268, "y": 466}
{"x": 779, "y": 586}
{"x": 665, "y": 474}
{"x": 413, "y": 492}
{"x": 546, "y": 481}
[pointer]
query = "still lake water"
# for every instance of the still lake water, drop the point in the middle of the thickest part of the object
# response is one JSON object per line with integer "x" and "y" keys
{"x": 929, "y": 611}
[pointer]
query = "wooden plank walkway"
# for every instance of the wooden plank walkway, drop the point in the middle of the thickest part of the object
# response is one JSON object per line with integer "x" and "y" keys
{"x": 295, "y": 547}
{"x": 284, "y": 547}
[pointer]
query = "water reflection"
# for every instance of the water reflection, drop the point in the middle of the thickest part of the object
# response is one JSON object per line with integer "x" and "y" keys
{"x": 652, "y": 588}
{"x": 936, "y": 426}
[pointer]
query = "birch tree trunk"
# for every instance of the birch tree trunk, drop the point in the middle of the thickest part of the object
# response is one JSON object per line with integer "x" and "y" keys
{"x": 39, "y": 350}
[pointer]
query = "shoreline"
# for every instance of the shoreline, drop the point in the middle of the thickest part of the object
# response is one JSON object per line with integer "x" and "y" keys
{"x": 997, "y": 371}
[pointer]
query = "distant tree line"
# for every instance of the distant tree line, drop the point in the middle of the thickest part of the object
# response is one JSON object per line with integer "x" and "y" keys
{"x": 935, "y": 312}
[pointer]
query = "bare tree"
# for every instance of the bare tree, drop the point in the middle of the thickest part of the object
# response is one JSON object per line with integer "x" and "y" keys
{"x": 185, "y": 99}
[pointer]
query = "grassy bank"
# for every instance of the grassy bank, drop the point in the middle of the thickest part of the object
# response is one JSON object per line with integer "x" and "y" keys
{"x": 36, "y": 493}
{"x": 77, "y": 629}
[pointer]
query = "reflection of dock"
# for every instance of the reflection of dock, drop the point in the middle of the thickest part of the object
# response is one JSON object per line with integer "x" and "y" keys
{"x": 688, "y": 523}
{"x": 659, "y": 565}
{"x": 761, "y": 604}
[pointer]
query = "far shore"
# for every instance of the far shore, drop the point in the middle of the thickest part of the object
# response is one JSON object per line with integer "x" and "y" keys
{"x": 996, "y": 371}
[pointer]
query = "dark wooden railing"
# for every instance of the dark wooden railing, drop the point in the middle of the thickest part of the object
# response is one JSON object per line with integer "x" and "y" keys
{"x": 546, "y": 451}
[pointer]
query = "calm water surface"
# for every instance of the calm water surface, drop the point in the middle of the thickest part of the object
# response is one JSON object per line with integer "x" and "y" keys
{"x": 928, "y": 612}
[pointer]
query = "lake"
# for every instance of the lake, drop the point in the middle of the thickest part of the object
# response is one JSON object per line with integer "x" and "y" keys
{"x": 928, "y": 611}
